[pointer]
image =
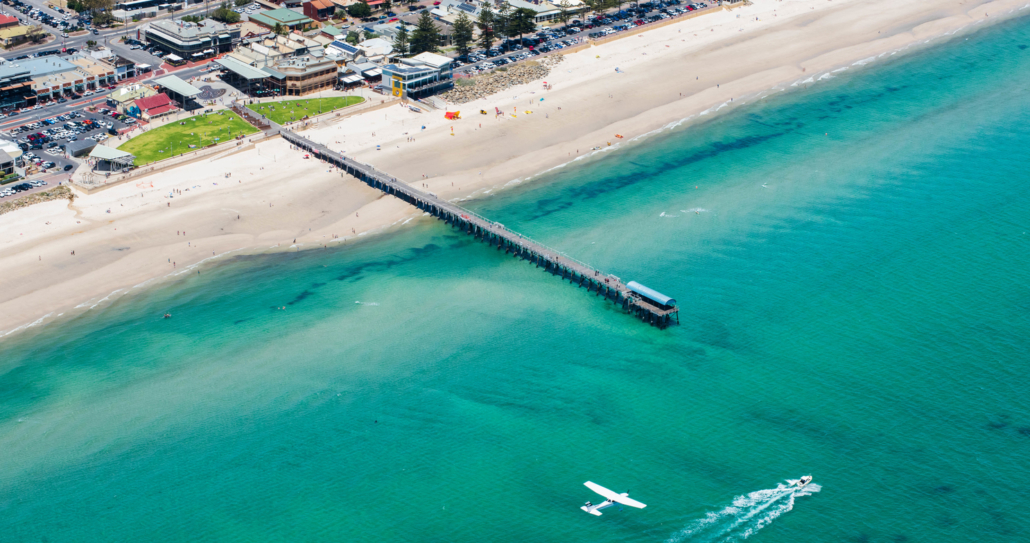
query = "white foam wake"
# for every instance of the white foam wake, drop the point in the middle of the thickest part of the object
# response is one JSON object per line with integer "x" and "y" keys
{"x": 745, "y": 516}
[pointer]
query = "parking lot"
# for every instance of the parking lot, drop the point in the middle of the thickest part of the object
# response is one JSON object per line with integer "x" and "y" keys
{"x": 61, "y": 21}
{"x": 44, "y": 142}
{"x": 576, "y": 32}
{"x": 23, "y": 188}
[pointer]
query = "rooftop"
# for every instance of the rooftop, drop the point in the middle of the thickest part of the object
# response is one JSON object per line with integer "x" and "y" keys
{"x": 190, "y": 30}
{"x": 432, "y": 59}
{"x": 41, "y": 66}
{"x": 177, "y": 85}
{"x": 332, "y": 31}
{"x": 150, "y": 102}
{"x": 13, "y": 32}
{"x": 240, "y": 68}
{"x": 283, "y": 15}
{"x": 130, "y": 93}
{"x": 345, "y": 47}
{"x": 109, "y": 153}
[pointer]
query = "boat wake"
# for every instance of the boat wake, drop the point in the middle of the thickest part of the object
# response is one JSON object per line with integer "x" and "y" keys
{"x": 745, "y": 516}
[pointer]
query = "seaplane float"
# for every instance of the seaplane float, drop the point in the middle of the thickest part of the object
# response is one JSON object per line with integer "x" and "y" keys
{"x": 611, "y": 499}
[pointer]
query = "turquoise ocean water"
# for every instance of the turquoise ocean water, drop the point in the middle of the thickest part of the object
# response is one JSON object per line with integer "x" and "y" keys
{"x": 851, "y": 262}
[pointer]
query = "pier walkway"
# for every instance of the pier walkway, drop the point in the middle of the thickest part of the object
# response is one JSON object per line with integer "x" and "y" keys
{"x": 495, "y": 234}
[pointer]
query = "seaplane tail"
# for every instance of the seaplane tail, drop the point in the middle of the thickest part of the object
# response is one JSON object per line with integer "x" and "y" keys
{"x": 591, "y": 510}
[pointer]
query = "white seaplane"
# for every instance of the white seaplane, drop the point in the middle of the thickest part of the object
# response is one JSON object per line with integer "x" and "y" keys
{"x": 612, "y": 499}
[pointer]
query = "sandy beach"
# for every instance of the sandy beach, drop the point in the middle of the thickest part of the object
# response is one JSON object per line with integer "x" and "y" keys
{"x": 269, "y": 198}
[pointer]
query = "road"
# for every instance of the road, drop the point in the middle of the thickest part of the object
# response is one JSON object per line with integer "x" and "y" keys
{"x": 110, "y": 38}
{"x": 563, "y": 39}
{"x": 53, "y": 109}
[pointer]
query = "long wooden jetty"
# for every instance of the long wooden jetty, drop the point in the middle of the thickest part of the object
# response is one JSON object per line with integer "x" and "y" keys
{"x": 654, "y": 312}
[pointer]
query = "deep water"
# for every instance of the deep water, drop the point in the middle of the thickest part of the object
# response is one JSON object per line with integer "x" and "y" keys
{"x": 851, "y": 262}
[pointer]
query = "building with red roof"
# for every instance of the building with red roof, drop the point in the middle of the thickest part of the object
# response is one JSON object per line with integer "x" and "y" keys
{"x": 7, "y": 21}
{"x": 319, "y": 10}
{"x": 155, "y": 106}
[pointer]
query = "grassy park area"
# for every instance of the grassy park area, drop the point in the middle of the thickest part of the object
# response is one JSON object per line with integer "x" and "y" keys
{"x": 185, "y": 135}
{"x": 284, "y": 111}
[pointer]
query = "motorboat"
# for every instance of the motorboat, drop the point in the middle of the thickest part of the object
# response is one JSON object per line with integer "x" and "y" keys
{"x": 803, "y": 481}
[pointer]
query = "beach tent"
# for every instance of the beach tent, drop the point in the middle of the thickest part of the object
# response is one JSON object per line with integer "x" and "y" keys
{"x": 451, "y": 115}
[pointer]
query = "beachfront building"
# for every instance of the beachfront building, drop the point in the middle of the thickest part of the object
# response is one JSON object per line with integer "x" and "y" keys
{"x": 302, "y": 75}
{"x": 155, "y": 106}
{"x": 124, "y": 98}
{"x": 6, "y": 163}
{"x": 179, "y": 90}
{"x": 193, "y": 41}
{"x": 423, "y": 75}
{"x": 104, "y": 158}
{"x": 15, "y": 86}
{"x": 286, "y": 18}
{"x": 54, "y": 76}
{"x": 290, "y": 65}
{"x": 548, "y": 11}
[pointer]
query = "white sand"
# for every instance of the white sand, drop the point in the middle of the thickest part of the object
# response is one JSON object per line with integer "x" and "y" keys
{"x": 709, "y": 60}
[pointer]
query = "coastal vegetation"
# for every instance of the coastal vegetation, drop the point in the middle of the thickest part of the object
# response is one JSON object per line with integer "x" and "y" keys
{"x": 178, "y": 137}
{"x": 285, "y": 111}
{"x": 56, "y": 193}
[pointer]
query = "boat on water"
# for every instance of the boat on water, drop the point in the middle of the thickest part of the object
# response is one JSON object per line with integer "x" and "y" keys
{"x": 803, "y": 481}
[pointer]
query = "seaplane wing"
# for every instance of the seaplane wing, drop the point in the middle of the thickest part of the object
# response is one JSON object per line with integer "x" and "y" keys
{"x": 613, "y": 496}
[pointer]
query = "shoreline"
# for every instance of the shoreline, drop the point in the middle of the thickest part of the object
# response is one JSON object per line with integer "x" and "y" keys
{"x": 512, "y": 151}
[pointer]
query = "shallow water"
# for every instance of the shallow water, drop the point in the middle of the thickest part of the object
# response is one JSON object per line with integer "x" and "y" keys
{"x": 851, "y": 263}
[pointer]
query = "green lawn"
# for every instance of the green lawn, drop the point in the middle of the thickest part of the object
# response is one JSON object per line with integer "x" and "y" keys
{"x": 285, "y": 111}
{"x": 175, "y": 139}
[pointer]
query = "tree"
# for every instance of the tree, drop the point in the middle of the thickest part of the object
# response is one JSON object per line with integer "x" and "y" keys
{"x": 97, "y": 5}
{"x": 426, "y": 36}
{"x": 564, "y": 14}
{"x": 103, "y": 18}
{"x": 90, "y": 44}
{"x": 280, "y": 30}
{"x": 240, "y": 3}
{"x": 523, "y": 21}
{"x": 462, "y": 35}
{"x": 486, "y": 27}
{"x": 400, "y": 42}
{"x": 192, "y": 18}
{"x": 225, "y": 14}
{"x": 596, "y": 6}
{"x": 501, "y": 20}
{"x": 35, "y": 34}
{"x": 359, "y": 10}
{"x": 352, "y": 38}
{"x": 387, "y": 5}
